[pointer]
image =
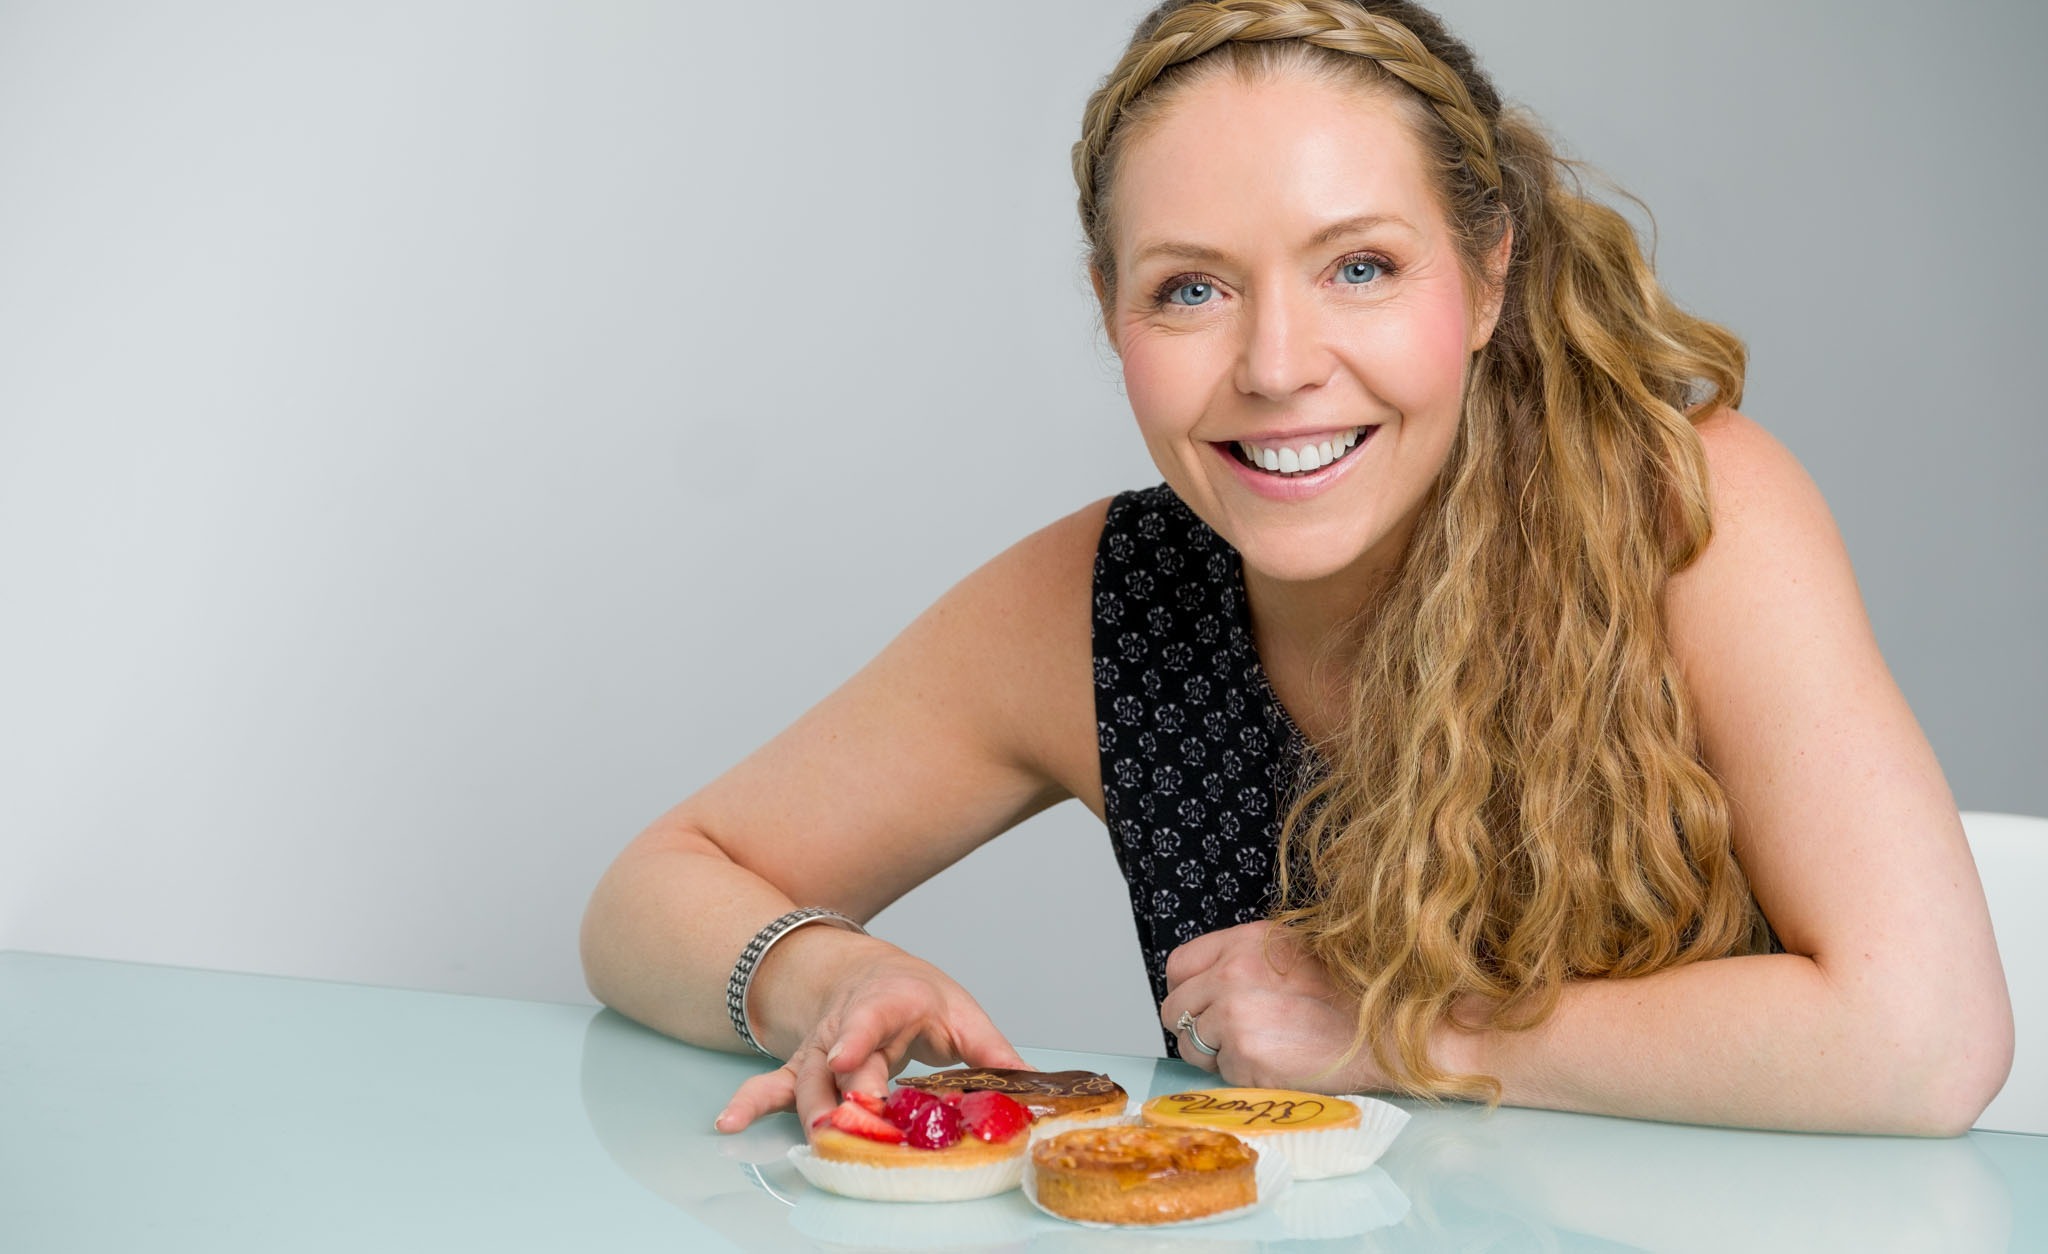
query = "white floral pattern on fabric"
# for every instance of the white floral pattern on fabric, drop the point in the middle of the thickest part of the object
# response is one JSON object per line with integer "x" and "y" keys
{"x": 1198, "y": 755}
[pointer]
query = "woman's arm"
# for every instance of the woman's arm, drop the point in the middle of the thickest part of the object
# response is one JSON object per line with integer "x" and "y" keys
{"x": 979, "y": 715}
{"x": 1889, "y": 1012}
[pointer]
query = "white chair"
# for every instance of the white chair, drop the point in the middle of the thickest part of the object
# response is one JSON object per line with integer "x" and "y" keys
{"x": 2012, "y": 859}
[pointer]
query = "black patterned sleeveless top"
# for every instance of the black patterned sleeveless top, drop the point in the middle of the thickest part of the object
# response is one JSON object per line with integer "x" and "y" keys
{"x": 1198, "y": 755}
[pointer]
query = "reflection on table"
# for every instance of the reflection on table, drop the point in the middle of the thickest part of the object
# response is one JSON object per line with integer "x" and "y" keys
{"x": 173, "y": 1110}
{"x": 1459, "y": 1177}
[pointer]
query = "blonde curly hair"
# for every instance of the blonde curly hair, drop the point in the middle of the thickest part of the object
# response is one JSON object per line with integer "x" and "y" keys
{"x": 1516, "y": 798}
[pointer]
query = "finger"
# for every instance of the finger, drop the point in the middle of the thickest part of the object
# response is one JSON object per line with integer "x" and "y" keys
{"x": 861, "y": 1033}
{"x": 817, "y": 1088}
{"x": 757, "y": 1096}
{"x": 1194, "y": 1055}
{"x": 1189, "y": 999}
{"x": 1198, "y": 955}
{"x": 1193, "y": 995}
{"x": 1211, "y": 1063}
{"x": 871, "y": 1076}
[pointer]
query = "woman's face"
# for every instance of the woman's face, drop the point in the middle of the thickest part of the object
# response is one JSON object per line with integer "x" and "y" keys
{"x": 1289, "y": 292}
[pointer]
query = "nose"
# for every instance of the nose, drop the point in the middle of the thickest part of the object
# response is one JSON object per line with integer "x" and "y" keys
{"x": 1283, "y": 350}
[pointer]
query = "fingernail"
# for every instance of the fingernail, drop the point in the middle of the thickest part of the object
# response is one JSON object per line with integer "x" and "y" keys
{"x": 724, "y": 1119}
{"x": 833, "y": 1055}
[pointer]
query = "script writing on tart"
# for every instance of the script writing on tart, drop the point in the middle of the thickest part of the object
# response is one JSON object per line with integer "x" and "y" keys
{"x": 1250, "y": 1110}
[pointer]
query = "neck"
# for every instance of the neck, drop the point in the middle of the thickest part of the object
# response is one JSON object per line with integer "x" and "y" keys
{"x": 1294, "y": 622}
{"x": 1293, "y": 619}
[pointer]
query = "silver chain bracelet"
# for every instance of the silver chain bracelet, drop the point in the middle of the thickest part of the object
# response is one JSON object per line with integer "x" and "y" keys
{"x": 757, "y": 949}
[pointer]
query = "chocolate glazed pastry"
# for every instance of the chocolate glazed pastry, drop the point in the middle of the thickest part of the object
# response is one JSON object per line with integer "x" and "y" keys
{"x": 1046, "y": 1094}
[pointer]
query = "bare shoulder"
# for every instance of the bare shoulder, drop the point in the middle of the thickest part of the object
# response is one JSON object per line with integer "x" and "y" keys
{"x": 1775, "y": 549}
{"x": 1027, "y": 614}
{"x": 1056, "y": 561}
{"x": 1757, "y": 484}
{"x": 1772, "y": 598}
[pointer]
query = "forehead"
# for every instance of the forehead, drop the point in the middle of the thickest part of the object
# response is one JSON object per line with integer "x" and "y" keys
{"x": 1233, "y": 164}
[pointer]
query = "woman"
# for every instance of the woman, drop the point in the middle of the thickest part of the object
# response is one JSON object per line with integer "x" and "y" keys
{"x": 1481, "y": 706}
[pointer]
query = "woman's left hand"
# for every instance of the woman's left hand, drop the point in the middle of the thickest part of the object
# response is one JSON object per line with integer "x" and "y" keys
{"x": 1270, "y": 1011}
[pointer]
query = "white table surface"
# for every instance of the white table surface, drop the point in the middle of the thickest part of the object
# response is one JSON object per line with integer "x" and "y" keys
{"x": 164, "y": 1109}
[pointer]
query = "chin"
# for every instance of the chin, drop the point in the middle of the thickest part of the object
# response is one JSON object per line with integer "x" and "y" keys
{"x": 1296, "y": 562}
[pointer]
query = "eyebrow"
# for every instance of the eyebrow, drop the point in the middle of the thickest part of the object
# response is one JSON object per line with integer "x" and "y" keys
{"x": 1205, "y": 255}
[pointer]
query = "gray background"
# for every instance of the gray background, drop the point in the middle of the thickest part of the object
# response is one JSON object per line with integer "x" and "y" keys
{"x": 435, "y": 438}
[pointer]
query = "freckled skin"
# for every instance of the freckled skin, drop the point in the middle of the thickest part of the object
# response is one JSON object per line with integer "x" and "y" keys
{"x": 1254, "y": 173}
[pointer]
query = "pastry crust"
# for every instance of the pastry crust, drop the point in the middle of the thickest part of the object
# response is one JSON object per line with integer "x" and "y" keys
{"x": 1251, "y": 1112}
{"x": 1126, "y": 1174}
{"x": 969, "y": 1151}
{"x": 1047, "y": 1094}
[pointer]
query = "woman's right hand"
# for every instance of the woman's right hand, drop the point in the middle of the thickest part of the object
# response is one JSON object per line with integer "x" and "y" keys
{"x": 886, "y": 1008}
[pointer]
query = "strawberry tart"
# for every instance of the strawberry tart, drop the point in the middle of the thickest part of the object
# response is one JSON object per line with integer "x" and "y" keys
{"x": 914, "y": 1146}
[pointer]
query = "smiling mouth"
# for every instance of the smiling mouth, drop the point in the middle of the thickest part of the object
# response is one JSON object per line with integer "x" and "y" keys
{"x": 1301, "y": 459}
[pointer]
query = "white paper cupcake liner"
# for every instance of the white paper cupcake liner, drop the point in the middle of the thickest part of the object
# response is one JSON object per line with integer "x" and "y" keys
{"x": 907, "y": 1184}
{"x": 1320, "y": 1153}
{"x": 1270, "y": 1177}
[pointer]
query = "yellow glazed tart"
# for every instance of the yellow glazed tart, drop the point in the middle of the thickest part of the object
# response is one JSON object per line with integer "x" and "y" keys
{"x": 1251, "y": 1112}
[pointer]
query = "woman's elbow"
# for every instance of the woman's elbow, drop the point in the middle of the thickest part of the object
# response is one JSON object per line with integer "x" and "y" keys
{"x": 1987, "y": 1061}
{"x": 594, "y": 950}
{"x": 1959, "y": 1063}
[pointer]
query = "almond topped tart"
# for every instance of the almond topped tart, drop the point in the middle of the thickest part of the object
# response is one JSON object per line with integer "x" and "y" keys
{"x": 1319, "y": 1135}
{"x": 914, "y": 1146}
{"x": 1049, "y": 1095}
{"x": 1127, "y": 1174}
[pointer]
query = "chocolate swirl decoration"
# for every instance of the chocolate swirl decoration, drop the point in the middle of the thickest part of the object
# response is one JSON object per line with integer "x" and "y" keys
{"x": 1280, "y": 1112}
{"x": 1008, "y": 1080}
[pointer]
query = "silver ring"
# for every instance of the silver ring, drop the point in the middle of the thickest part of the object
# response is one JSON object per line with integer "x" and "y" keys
{"x": 1186, "y": 1023}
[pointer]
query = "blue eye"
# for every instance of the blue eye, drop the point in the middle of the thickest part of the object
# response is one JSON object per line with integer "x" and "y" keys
{"x": 1359, "y": 271}
{"x": 1191, "y": 294}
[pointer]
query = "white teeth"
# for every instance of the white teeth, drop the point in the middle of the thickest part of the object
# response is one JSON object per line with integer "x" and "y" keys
{"x": 1288, "y": 461}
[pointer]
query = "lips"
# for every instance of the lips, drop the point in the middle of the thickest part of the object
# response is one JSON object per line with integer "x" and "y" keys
{"x": 1290, "y": 457}
{"x": 1296, "y": 485}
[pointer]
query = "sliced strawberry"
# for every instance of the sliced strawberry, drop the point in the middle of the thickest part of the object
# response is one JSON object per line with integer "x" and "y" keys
{"x": 860, "y": 1121}
{"x": 869, "y": 1100}
{"x": 903, "y": 1105}
{"x": 822, "y": 1120}
{"x": 934, "y": 1127}
{"x": 993, "y": 1116}
{"x": 952, "y": 1097}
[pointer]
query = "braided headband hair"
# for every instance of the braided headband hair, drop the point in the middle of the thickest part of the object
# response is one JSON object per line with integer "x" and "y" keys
{"x": 1188, "y": 32}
